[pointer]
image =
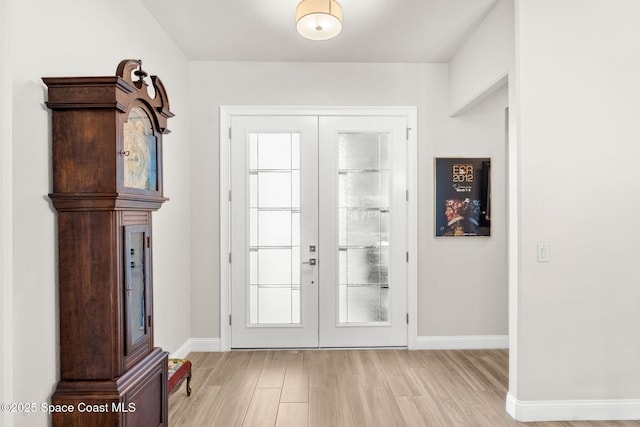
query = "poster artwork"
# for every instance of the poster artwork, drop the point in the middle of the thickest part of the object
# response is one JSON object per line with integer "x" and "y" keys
{"x": 463, "y": 196}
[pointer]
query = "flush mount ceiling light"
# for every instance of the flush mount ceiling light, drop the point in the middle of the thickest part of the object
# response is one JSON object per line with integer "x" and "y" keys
{"x": 319, "y": 19}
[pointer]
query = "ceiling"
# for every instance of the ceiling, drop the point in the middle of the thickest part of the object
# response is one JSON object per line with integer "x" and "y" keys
{"x": 373, "y": 30}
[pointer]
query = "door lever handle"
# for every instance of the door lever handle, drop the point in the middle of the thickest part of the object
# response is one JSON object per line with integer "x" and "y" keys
{"x": 312, "y": 261}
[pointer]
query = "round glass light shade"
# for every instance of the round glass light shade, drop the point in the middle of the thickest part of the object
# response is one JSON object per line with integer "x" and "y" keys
{"x": 319, "y": 19}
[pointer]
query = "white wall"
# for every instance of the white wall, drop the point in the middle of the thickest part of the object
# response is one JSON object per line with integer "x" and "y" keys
{"x": 579, "y": 141}
{"x": 463, "y": 281}
{"x": 480, "y": 287}
{"x": 484, "y": 64}
{"x": 481, "y": 64}
{"x": 6, "y": 264}
{"x": 76, "y": 38}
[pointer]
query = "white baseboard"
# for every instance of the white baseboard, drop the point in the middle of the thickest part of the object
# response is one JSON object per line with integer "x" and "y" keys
{"x": 573, "y": 410}
{"x": 462, "y": 342}
{"x": 196, "y": 344}
{"x": 471, "y": 342}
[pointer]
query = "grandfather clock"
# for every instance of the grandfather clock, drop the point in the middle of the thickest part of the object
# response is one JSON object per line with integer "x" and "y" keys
{"x": 107, "y": 179}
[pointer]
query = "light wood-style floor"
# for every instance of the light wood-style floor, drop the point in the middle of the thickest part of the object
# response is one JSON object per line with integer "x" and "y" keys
{"x": 350, "y": 388}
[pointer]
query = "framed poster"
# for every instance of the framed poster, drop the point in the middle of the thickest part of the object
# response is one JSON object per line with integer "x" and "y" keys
{"x": 463, "y": 196}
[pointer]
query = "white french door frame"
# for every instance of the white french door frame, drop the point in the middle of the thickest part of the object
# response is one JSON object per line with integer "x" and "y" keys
{"x": 227, "y": 112}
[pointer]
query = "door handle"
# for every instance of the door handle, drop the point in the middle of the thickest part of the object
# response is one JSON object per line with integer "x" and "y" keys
{"x": 312, "y": 261}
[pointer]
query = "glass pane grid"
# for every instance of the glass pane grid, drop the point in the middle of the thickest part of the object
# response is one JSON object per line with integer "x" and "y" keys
{"x": 274, "y": 229}
{"x": 363, "y": 235}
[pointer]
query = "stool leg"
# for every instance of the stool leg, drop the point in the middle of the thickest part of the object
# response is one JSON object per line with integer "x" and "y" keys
{"x": 189, "y": 384}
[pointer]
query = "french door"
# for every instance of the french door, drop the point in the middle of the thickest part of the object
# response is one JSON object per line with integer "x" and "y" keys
{"x": 318, "y": 231}
{"x": 274, "y": 227}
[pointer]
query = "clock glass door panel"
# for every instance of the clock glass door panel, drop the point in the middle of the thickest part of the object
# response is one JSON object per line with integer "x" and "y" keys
{"x": 136, "y": 283}
{"x": 140, "y": 152}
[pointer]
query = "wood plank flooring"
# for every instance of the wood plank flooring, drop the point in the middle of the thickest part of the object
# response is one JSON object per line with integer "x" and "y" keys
{"x": 344, "y": 388}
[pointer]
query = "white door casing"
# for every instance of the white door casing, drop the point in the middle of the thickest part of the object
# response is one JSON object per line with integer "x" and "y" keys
{"x": 324, "y": 280}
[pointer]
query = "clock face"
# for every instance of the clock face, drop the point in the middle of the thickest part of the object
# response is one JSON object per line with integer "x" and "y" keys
{"x": 140, "y": 158}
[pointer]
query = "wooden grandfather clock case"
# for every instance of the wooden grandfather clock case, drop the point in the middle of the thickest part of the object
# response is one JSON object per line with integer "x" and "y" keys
{"x": 107, "y": 180}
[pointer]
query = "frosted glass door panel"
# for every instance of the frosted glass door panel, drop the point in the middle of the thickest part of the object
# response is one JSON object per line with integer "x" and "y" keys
{"x": 363, "y": 188}
{"x": 274, "y": 150}
{"x": 363, "y": 227}
{"x": 274, "y": 228}
{"x": 368, "y": 151}
{"x": 363, "y": 210}
{"x": 363, "y": 304}
{"x": 274, "y": 186}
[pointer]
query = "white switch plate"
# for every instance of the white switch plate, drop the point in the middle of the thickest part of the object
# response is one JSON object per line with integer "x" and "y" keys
{"x": 544, "y": 252}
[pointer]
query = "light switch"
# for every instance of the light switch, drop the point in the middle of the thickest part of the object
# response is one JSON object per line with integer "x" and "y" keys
{"x": 544, "y": 254}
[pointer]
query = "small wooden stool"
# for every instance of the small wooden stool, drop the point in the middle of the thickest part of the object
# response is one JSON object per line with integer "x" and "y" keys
{"x": 179, "y": 370}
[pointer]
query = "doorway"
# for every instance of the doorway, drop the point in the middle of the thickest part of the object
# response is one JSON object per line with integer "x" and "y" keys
{"x": 318, "y": 220}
